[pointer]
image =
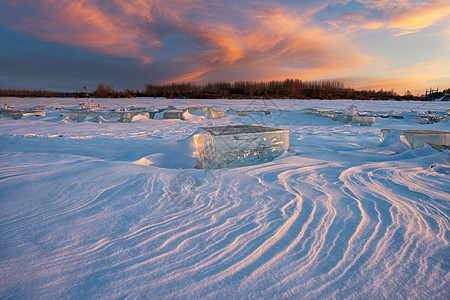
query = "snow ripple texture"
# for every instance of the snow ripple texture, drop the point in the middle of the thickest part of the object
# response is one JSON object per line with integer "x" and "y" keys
{"x": 372, "y": 227}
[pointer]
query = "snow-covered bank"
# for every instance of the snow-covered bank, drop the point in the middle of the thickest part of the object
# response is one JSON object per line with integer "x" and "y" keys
{"x": 115, "y": 210}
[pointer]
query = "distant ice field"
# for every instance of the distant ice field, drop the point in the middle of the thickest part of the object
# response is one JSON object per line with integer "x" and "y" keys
{"x": 118, "y": 210}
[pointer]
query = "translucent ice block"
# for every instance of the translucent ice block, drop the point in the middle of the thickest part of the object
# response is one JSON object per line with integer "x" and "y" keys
{"x": 363, "y": 120}
{"x": 127, "y": 116}
{"x": 360, "y": 120}
{"x": 418, "y": 138}
{"x": 175, "y": 114}
{"x": 216, "y": 114}
{"x": 19, "y": 113}
{"x": 241, "y": 145}
{"x": 84, "y": 116}
{"x": 207, "y": 112}
{"x": 351, "y": 111}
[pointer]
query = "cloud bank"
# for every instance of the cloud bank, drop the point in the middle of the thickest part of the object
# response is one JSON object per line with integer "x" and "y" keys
{"x": 224, "y": 40}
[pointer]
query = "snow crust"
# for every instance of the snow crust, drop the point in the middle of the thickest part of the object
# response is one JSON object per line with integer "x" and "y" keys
{"x": 118, "y": 210}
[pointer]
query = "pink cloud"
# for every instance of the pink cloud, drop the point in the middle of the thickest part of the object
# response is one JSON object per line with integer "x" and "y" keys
{"x": 420, "y": 17}
{"x": 404, "y": 16}
{"x": 82, "y": 24}
{"x": 276, "y": 42}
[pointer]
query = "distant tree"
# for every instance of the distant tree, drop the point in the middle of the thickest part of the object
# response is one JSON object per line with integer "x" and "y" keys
{"x": 104, "y": 90}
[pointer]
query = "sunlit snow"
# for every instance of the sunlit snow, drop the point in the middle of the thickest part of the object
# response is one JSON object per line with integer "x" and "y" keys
{"x": 121, "y": 210}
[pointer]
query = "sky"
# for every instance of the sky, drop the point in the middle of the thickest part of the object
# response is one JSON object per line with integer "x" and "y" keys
{"x": 368, "y": 44}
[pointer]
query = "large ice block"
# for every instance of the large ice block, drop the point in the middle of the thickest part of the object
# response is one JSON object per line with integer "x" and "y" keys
{"x": 418, "y": 138}
{"x": 175, "y": 114}
{"x": 216, "y": 114}
{"x": 360, "y": 120}
{"x": 350, "y": 115}
{"x": 127, "y": 116}
{"x": 240, "y": 145}
{"x": 363, "y": 120}
{"x": 16, "y": 114}
{"x": 207, "y": 112}
{"x": 84, "y": 115}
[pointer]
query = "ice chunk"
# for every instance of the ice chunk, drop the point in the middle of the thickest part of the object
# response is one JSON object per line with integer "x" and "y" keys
{"x": 34, "y": 113}
{"x": 241, "y": 113}
{"x": 175, "y": 114}
{"x": 206, "y": 112}
{"x": 240, "y": 145}
{"x": 131, "y": 115}
{"x": 418, "y": 138}
{"x": 363, "y": 120}
{"x": 430, "y": 119}
{"x": 216, "y": 114}
{"x": 127, "y": 116}
{"x": 360, "y": 120}
{"x": 132, "y": 107}
{"x": 201, "y": 108}
{"x": 351, "y": 111}
{"x": 16, "y": 114}
{"x": 84, "y": 116}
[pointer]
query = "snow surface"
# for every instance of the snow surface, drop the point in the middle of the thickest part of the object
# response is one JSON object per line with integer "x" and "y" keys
{"x": 118, "y": 210}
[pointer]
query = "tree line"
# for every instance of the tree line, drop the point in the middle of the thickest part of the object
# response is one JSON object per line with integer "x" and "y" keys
{"x": 285, "y": 89}
{"x": 103, "y": 90}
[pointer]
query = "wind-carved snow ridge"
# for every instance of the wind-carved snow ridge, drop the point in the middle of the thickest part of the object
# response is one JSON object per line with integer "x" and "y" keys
{"x": 123, "y": 215}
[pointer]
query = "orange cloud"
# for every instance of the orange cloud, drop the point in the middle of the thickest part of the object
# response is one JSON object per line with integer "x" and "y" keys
{"x": 190, "y": 77}
{"x": 86, "y": 24}
{"x": 421, "y": 17}
{"x": 119, "y": 28}
{"x": 355, "y": 22}
{"x": 276, "y": 42}
{"x": 404, "y": 15}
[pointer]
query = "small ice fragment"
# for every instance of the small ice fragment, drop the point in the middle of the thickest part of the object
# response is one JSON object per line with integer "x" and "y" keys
{"x": 351, "y": 111}
{"x": 143, "y": 162}
{"x": 241, "y": 113}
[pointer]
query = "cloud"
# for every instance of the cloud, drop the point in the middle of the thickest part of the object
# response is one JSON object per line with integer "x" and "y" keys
{"x": 403, "y": 16}
{"x": 420, "y": 17}
{"x": 275, "y": 42}
{"x": 83, "y": 24}
{"x": 189, "y": 77}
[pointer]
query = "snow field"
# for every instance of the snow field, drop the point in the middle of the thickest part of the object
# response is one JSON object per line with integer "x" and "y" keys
{"x": 114, "y": 210}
